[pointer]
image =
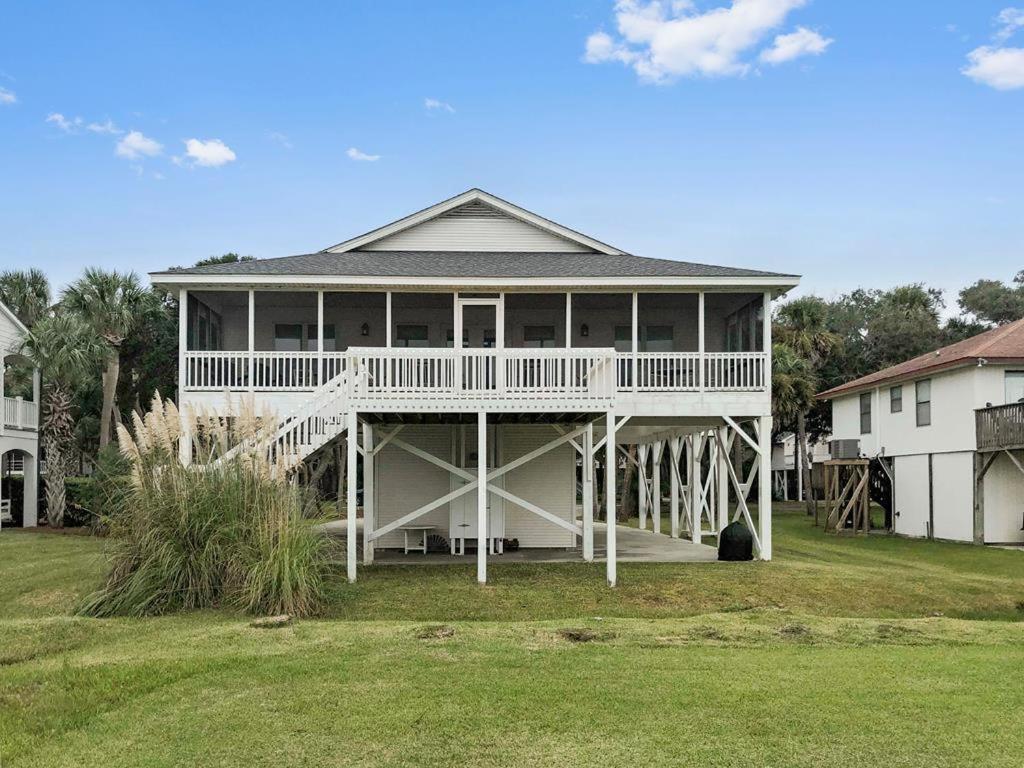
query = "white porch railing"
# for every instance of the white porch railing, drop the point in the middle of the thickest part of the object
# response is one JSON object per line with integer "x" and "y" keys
{"x": 392, "y": 373}
{"x": 20, "y": 414}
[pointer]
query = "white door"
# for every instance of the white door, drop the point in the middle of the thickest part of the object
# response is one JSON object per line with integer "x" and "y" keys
{"x": 463, "y": 521}
{"x": 479, "y": 326}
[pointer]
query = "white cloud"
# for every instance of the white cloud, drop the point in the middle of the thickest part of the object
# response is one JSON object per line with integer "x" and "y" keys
{"x": 662, "y": 41}
{"x": 437, "y": 104}
{"x": 66, "y": 125}
{"x": 359, "y": 155}
{"x": 1009, "y": 20}
{"x": 281, "y": 139}
{"x": 1000, "y": 68}
{"x": 803, "y": 42}
{"x": 105, "y": 127}
{"x": 135, "y": 145}
{"x": 211, "y": 153}
{"x": 7, "y": 96}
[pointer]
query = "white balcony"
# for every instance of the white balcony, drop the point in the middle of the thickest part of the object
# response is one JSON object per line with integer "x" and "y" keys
{"x": 20, "y": 414}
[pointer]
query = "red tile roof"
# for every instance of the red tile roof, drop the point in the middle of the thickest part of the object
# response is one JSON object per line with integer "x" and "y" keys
{"x": 1002, "y": 344}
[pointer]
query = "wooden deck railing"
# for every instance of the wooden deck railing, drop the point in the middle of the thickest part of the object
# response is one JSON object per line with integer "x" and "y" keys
{"x": 1000, "y": 426}
{"x": 391, "y": 372}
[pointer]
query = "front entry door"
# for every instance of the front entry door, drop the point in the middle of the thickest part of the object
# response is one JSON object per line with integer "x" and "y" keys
{"x": 480, "y": 329}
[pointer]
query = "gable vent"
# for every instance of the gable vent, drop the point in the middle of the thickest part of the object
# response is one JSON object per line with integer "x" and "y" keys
{"x": 475, "y": 210}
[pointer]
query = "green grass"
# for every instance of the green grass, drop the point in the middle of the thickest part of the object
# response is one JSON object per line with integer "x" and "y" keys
{"x": 830, "y": 655}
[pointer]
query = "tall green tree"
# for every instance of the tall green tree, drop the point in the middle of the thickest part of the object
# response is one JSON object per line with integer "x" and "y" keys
{"x": 993, "y": 302}
{"x": 65, "y": 349}
{"x": 801, "y": 327}
{"x": 26, "y": 293}
{"x": 794, "y": 384}
{"x": 227, "y": 258}
{"x": 113, "y": 304}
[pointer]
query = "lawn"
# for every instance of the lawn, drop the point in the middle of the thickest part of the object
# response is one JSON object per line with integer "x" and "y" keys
{"x": 843, "y": 651}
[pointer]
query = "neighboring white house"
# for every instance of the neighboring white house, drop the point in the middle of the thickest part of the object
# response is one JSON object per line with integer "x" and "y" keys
{"x": 568, "y": 347}
{"x": 784, "y": 464}
{"x": 950, "y": 425}
{"x": 19, "y": 423}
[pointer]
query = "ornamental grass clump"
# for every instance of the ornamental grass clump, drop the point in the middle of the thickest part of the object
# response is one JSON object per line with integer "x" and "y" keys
{"x": 230, "y": 529}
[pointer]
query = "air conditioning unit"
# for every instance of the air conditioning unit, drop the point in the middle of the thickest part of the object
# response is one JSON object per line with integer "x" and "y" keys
{"x": 844, "y": 449}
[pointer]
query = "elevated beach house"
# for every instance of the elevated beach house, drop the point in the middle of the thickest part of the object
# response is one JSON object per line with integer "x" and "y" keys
{"x": 477, "y": 358}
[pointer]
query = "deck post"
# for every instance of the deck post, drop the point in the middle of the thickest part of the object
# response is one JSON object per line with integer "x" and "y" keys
{"x": 764, "y": 486}
{"x": 657, "y": 452}
{"x": 185, "y": 440}
{"x": 351, "y": 484}
{"x": 387, "y": 319}
{"x": 588, "y": 493}
{"x": 641, "y": 485}
{"x": 319, "y": 338}
{"x": 568, "y": 319}
{"x": 702, "y": 364}
{"x": 722, "y": 477}
{"x": 369, "y": 496}
{"x": 635, "y": 339}
{"x": 673, "y": 508}
{"x": 609, "y": 476}
{"x": 481, "y": 498}
{"x": 696, "y": 441}
{"x": 30, "y": 500}
{"x": 252, "y": 339}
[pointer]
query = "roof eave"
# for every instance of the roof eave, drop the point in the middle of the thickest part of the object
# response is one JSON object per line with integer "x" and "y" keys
{"x": 948, "y": 365}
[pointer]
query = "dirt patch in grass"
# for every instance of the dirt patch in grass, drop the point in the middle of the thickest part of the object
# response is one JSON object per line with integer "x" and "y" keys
{"x": 795, "y": 631}
{"x": 583, "y": 635}
{"x": 435, "y": 632}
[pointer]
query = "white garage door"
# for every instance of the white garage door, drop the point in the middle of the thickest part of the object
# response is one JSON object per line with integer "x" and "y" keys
{"x": 953, "y": 495}
{"x": 912, "y": 495}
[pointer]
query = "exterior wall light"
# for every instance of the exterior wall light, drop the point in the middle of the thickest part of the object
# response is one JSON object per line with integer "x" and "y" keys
{"x": 364, "y": 329}
{"x": 584, "y": 330}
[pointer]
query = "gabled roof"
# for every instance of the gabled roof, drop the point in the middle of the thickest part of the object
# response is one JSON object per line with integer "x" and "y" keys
{"x": 1002, "y": 344}
{"x": 468, "y": 197}
{"x": 9, "y": 313}
{"x": 489, "y": 264}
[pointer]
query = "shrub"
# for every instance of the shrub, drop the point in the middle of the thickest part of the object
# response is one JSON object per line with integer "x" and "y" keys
{"x": 229, "y": 530}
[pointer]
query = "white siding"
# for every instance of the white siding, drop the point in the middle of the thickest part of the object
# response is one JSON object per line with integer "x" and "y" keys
{"x": 10, "y": 335}
{"x": 549, "y": 482}
{"x": 1004, "y": 502}
{"x": 912, "y": 495}
{"x": 475, "y": 227}
{"x": 953, "y": 495}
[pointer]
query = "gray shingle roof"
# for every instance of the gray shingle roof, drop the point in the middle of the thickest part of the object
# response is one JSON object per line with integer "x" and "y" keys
{"x": 472, "y": 264}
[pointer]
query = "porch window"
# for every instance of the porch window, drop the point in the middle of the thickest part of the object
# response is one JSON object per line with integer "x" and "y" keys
{"x": 411, "y": 336}
{"x": 896, "y": 399}
{"x": 288, "y": 337}
{"x": 623, "y": 338}
{"x": 539, "y": 336}
{"x": 311, "y": 338}
{"x": 923, "y": 392}
{"x": 204, "y": 326}
{"x": 656, "y": 338}
{"x": 449, "y": 338}
{"x": 865, "y": 413}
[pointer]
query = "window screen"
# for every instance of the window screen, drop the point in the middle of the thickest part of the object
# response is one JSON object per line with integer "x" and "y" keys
{"x": 865, "y": 413}
{"x": 539, "y": 336}
{"x": 288, "y": 337}
{"x": 896, "y": 399}
{"x": 411, "y": 336}
{"x": 923, "y": 390}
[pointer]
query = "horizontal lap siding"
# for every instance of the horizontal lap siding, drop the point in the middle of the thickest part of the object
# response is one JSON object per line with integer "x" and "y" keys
{"x": 405, "y": 482}
{"x": 548, "y": 481}
{"x": 475, "y": 233}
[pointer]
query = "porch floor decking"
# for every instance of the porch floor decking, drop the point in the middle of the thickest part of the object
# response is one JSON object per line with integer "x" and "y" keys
{"x": 633, "y": 546}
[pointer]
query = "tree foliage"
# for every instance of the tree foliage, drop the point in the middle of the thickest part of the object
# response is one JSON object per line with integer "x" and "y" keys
{"x": 26, "y": 293}
{"x": 993, "y": 302}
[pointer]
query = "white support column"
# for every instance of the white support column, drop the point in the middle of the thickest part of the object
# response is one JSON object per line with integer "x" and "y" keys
{"x": 37, "y": 396}
{"x": 657, "y": 451}
{"x": 252, "y": 340}
{"x": 351, "y": 483}
{"x": 457, "y": 340}
{"x": 320, "y": 337}
{"x": 673, "y": 508}
{"x": 568, "y": 319}
{"x": 764, "y": 486}
{"x": 722, "y": 476}
{"x": 695, "y": 487}
{"x": 702, "y": 365}
{"x": 185, "y": 440}
{"x": 38, "y": 405}
{"x": 588, "y": 493}
{"x": 641, "y": 485}
{"x": 609, "y": 476}
{"x": 635, "y": 339}
{"x": 30, "y": 504}
{"x": 387, "y": 319}
{"x": 482, "y": 533}
{"x": 369, "y": 496}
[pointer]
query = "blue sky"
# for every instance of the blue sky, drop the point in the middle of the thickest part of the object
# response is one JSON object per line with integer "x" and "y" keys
{"x": 840, "y": 140}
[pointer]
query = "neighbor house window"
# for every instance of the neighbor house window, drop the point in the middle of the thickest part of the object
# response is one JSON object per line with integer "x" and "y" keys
{"x": 657, "y": 338}
{"x": 896, "y": 399}
{"x": 411, "y": 336}
{"x": 923, "y": 390}
{"x": 288, "y": 337}
{"x": 865, "y": 413}
{"x": 539, "y": 336}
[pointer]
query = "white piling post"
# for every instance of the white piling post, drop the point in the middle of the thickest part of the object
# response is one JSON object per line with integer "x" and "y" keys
{"x": 369, "y": 496}
{"x": 764, "y": 502}
{"x": 351, "y": 483}
{"x": 609, "y": 475}
{"x": 481, "y": 498}
{"x": 673, "y": 509}
{"x": 588, "y": 493}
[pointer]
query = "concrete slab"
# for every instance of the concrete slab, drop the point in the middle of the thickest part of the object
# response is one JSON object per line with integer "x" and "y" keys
{"x": 633, "y": 546}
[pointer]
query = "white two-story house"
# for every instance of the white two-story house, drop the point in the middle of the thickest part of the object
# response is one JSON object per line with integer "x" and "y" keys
{"x": 476, "y": 358}
{"x": 19, "y": 422}
{"x": 949, "y": 427}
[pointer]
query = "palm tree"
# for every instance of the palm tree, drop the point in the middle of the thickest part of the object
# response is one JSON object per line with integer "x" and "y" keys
{"x": 801, "y": 327}
{"x": 793, "y": 386}
{"x": 112, "y": 303}
{"x": 26, "y": 293}
{"x": 66, "y": 350}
